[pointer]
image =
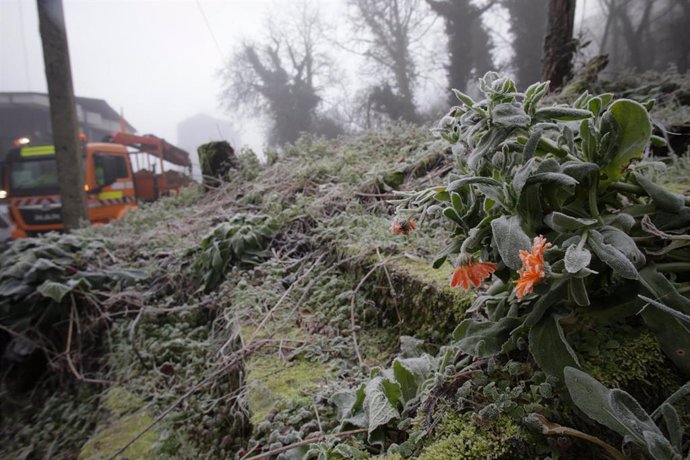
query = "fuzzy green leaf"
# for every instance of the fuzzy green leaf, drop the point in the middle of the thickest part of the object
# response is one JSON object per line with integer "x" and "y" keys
{"x": 484, "y": 338}
{"x": 624, "y": 243}
{"x": 672, "y": 333}
{"x": 379, "y": 402}
{"x": 578, "y": 291}
{"x": 663, "y": 198}
{"x": 509, "y": 114}
{"x": 634, "y": 131}
{"x": 510, "y": 238}
{"x": 53, "y": 290}
{"x": 611, "y": 256}
{"x": 458, "y": 184}
{"x": 674, "y": 425}
{"x": 549, "y": 347}
{"x": 592, "y": 398}
{"x": 561, "y": 113}
{"x": 464, "y": 98}
{"x": 410, "y": 373}
{"x": 576, "y": 259}
{"x": 659, "y": 447}
{"x": 565, "y": 223}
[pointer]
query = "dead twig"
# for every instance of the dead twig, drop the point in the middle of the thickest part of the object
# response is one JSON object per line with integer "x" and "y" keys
{"x": 68, "y": 350}
{"x": 352, "y": 314}
{"x": 318, "y": 417}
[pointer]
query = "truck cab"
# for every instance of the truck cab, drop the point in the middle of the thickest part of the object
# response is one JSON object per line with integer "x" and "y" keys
{"x": 30, "y": 177}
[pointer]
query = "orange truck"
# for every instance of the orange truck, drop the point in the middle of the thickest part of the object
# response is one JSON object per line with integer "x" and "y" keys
{"x": 113, "y": 185}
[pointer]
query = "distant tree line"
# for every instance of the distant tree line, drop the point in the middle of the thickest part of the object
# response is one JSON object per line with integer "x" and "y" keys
{"x": 287, "y": 75}
{"x": 645, "y": 34}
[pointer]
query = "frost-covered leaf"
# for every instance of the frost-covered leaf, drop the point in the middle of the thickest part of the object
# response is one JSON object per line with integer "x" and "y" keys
{"x": 411, "y": 347}
{"x": 592, "y": 398}
{"x": 576, "y": 258}
{"x": 561, "y": 113}
{"x": 674, "y": 425}
{"x": 549, "y": 347}
{"x": 611, "y": 256}
{"x": 659, "y": 447}
{"x": 510, "y": 238}
{"x": 484, "y": 338}
{"x": 577, "y": 290}
{"x": 510, "y": 114}
{"x": 410, "y": 373}
{"x": 624, "y": 243}
{"x": 628, "y": 410}
{"x": 634, "y": 131}
{"x": 662, "y": 197}
{"x": 379, "y": 408}
{"x": 565, "y": 223}
{"x": 53, "y": 290}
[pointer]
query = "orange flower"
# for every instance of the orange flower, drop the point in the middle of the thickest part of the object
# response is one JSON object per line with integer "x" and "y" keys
{"x": 532, "y": 270}
{"x": 401, "y": 226}
{"x": 470, "y": 272}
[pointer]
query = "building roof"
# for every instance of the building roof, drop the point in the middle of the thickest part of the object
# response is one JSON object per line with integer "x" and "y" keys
{"x": 85, "y": 105}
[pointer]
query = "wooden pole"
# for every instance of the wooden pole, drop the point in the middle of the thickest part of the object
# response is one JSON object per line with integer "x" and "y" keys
{"x": 63, "y": 113}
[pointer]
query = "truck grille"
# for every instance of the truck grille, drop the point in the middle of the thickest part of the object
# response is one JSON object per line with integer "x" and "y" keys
{"x": 40, "y": 216}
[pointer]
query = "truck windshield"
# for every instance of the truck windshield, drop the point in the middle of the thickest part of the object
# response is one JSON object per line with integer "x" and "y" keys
{"x": 35, "y": 177}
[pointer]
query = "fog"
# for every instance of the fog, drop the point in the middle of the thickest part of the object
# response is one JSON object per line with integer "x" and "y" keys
{"x": 156, "y": 60}
{"x": 165, "y": 62}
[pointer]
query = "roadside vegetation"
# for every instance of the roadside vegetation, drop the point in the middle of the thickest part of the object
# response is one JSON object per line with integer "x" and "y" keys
{"x": 512, "y": 283}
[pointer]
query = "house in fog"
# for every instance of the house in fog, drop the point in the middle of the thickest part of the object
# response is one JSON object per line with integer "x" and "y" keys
{"x": 28, "y": 115}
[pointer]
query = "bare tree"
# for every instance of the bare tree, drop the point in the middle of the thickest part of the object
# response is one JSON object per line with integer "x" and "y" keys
{"x": 63, "y": 113}
{"x": 283, "y": 77}
{"x": 385, "y": 32}
{"x": 469, "y": 45}
{"x": 646, "y": 34}
{"x": 559, "y": 44}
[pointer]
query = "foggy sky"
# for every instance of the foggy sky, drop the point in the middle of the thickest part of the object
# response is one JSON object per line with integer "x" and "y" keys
{"x": 159, "y": 62}
{"x": 156, "y": 59}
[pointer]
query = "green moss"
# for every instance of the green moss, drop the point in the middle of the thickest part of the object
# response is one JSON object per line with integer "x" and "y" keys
{"x": 627, "y": 357}
{"x": 394, "y": 179}
{"x": 461, "y": 436}
{"x": 119, "y": 401}
{"x": 683, "y": 188}
{"x": 271, "y": 383}
{"x": 111, "y": 438}
{"x": 617, "y": 356}
{"x": 389, "y": 457}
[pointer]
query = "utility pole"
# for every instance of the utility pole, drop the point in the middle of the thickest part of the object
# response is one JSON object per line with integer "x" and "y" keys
{"x": 63, "y": 113}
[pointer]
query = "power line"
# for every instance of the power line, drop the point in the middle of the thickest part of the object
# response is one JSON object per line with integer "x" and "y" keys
{"x": 210, "y": 30}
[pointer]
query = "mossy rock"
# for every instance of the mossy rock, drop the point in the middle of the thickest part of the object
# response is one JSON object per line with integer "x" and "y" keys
{"x": 274, "y": 384}
{"x": 126, "y": 419}
{"x": 424, "y": 302}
